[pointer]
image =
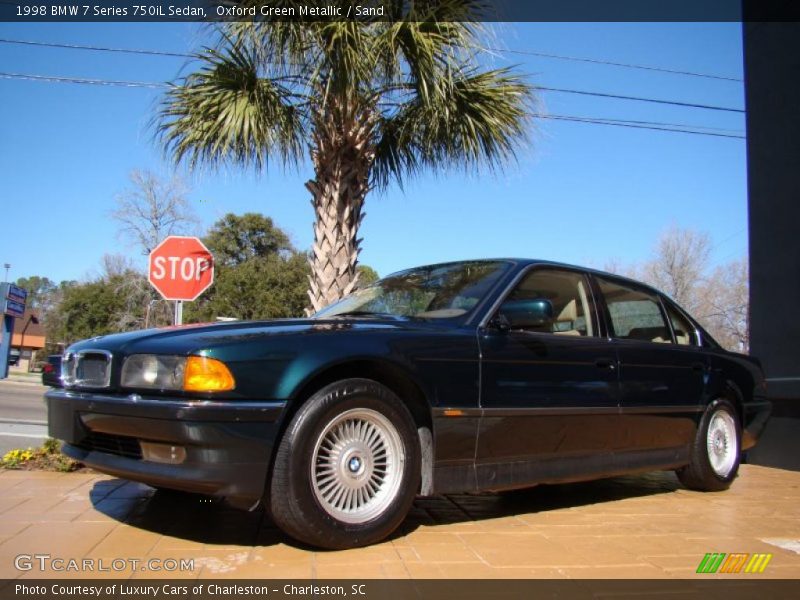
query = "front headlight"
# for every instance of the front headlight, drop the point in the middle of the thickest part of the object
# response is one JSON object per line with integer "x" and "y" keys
{"x": 192, "y": 373}
{"x": 152, "y": 371}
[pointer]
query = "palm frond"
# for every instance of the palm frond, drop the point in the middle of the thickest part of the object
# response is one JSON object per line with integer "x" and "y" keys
{"x": 472, "y": 119}
{"x": 346, "y": 58}
{"x": 288, "y": 43}
{"x": 427, "y": 37}
{"x": 227, "y": 112}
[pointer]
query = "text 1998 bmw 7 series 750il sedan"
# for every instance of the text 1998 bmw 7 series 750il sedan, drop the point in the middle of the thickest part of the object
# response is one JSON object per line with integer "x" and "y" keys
{"x": 458, "y": 377}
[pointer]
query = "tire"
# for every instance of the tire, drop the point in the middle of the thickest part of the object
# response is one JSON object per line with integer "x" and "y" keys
{"x": 716, "y": 451}
{"x": 347, "y": 468}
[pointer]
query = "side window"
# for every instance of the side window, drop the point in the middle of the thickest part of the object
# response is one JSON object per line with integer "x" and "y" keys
{"x": 684, "y": 331}
{"x": 551, "y": 301}
{"x": 635, "y": 314}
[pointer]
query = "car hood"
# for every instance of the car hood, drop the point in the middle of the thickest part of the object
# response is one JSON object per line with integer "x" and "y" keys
{"x": 192, "y": 339}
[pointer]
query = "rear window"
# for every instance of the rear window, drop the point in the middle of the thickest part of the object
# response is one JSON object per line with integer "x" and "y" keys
{"x": 635, "y": 314}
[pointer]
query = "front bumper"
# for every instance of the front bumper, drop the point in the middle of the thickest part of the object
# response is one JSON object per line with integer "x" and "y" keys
{"x": 228, "y": 444}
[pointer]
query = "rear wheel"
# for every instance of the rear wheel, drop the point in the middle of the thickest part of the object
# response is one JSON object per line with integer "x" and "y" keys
{"x": 347, "y": 468}
{"x": 716, "y": 451}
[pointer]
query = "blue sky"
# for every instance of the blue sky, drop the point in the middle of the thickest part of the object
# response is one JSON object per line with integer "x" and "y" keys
{"x": 580, "y": 193}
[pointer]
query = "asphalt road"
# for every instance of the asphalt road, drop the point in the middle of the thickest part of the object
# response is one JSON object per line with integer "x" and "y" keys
{"x": 23, "y": 415}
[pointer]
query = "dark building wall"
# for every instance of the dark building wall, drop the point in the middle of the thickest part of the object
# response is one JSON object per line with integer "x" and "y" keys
{"x": 772, "y": 90}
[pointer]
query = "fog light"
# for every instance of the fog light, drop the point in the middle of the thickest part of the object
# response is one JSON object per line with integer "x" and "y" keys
{"x": 163, "y": 453}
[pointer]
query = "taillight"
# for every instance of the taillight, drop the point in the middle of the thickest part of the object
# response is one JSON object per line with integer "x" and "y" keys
{"x": 48, "y": 368}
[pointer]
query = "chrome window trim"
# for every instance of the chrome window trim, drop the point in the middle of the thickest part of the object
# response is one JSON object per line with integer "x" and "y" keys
{"x": 667, "y": 304}
{"x": 73, "y": 358}
{"x": 547, "y": 266}
{"x": 477, "y": 315}
{"x": 646, "y": 290}
{"x": 484, "y": 322}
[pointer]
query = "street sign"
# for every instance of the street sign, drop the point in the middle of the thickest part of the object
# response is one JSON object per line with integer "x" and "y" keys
{"x": 17, "y": 293}
{"x": 181, "y": 268}
{"x": 15, "y": 309}
{"x": 13, "y": 300}
{"x": 12, "y": 304}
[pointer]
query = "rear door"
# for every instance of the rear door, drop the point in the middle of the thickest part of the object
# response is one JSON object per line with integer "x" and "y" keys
{"x": 662, "y": 372}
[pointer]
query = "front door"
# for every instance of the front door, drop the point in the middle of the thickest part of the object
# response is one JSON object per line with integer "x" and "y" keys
{"x": 549, "y": 391}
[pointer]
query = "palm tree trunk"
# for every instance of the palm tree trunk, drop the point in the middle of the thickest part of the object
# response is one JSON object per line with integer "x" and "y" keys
{"x": 342, "y": 155}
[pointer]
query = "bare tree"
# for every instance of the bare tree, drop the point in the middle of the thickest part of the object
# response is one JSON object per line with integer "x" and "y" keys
{"x": 617, "y": 267}
{"x": 138, "y": 305}
{"x": 724, "y": 308}
{"x": 152, "y": 209}
{"x": 134, "y": 292}
{"x": 679, "y": 264}
{"x": 680, "y": 267}
{"x": 115, "y": 265}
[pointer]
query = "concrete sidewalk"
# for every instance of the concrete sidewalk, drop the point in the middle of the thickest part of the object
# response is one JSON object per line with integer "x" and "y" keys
{"x": 632, "y": 527}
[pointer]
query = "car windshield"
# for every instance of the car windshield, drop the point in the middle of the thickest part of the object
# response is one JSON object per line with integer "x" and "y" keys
{"x": 435, "y": 292}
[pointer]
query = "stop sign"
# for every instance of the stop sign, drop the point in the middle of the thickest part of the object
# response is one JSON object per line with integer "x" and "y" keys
{"x": 181, "y": 268}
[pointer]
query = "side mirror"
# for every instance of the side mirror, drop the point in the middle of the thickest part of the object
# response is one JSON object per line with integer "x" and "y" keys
{"x": 524, "y": 314}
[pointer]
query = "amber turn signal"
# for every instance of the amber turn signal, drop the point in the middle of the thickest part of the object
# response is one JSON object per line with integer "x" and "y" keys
{"x": 203, "y": 374}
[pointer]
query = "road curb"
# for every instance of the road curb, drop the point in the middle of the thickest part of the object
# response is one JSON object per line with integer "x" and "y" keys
{"x": 21, "y": 382}
{"x": 21, "y": 421}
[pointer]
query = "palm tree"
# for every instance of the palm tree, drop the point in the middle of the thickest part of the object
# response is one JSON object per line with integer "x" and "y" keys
{"x": 372, "y": 102}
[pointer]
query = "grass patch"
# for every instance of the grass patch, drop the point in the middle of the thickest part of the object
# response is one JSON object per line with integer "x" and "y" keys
{"x": 47, "y": 457}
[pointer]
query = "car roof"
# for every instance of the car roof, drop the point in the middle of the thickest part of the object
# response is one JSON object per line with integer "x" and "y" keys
{"x": 526, "y": 262}
{"x": 521, "y": 263}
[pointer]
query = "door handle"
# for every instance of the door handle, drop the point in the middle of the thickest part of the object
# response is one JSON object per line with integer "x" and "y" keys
{"x": 605, "y": 363}
{"x": 698, "y": 366}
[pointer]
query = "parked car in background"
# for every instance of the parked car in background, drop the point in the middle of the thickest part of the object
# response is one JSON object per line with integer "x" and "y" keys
{"x": 13, "y": 357}
{"x": 51, "y": 371}
{"x": 458, "y": 377}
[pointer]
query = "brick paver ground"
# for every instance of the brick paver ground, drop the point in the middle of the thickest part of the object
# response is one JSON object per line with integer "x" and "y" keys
{"x": 631, "y": 527}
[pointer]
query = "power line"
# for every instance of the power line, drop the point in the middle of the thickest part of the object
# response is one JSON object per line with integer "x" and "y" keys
{"x": 499, "y": 50}
{"x": 543, "y": 88}
{"x": 674, "y": 127}
{"x": 139, "y": 51}
{"x": 618, "y": 123}
{"x": 106, "y": 82}
{"x": 734, "y": 132}
{"x": 614, "y": 64}
{"x": 716, "y": 245}
{"x": 96, "y": 48}
{"x": 638, "y": 99}
{"x": 144, "y": 84}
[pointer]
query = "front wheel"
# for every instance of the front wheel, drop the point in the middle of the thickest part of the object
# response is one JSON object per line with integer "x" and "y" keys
{"x": 347, "y": 469}
{"x": 716, "y": 450}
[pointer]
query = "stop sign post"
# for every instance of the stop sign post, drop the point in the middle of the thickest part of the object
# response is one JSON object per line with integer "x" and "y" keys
{"x": 181, "y": 268}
